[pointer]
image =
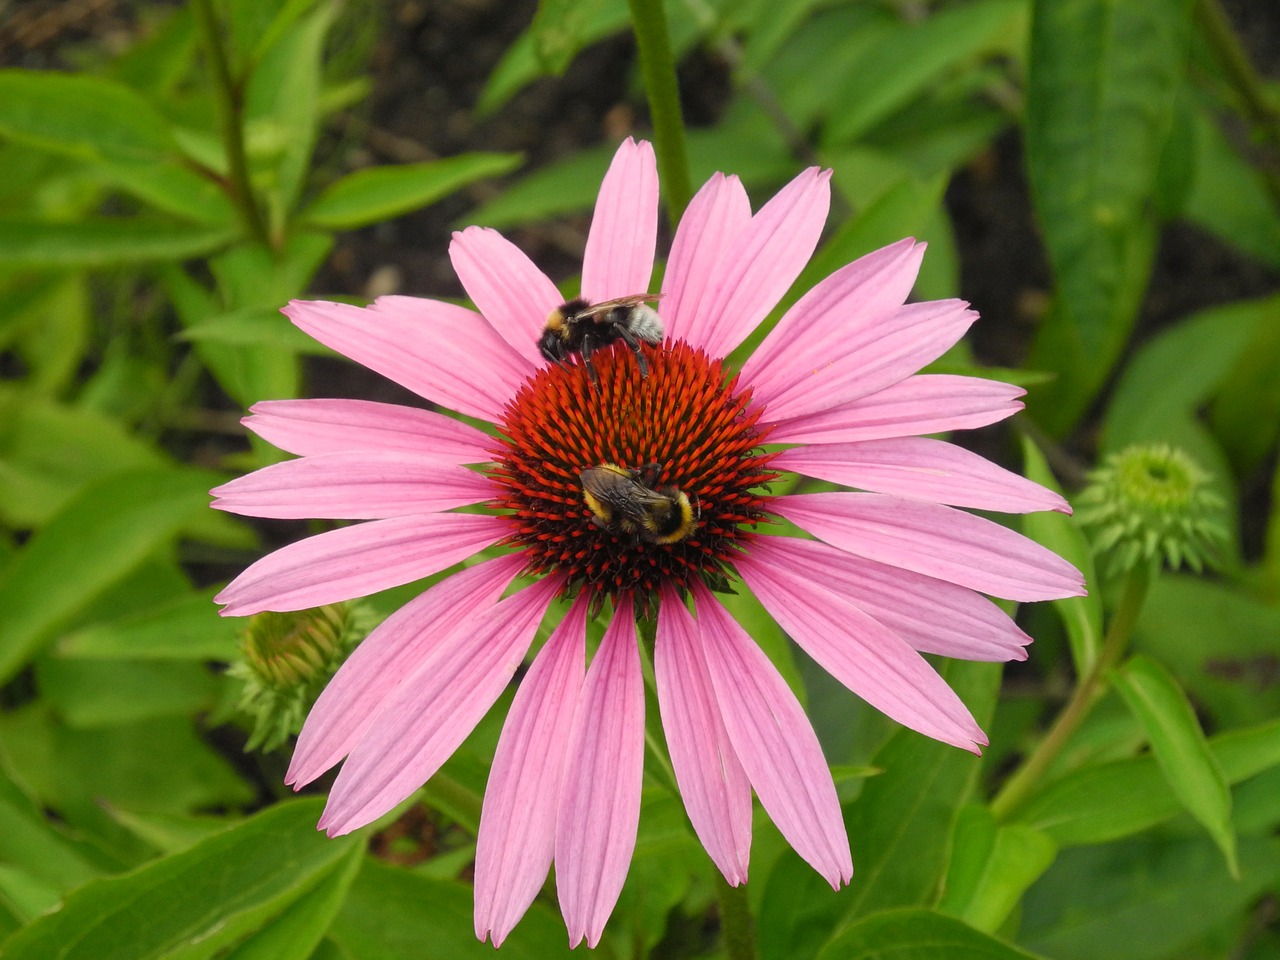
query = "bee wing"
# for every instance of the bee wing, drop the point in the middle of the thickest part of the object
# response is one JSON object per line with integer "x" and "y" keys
{"x": 618, "y": 488}
{"x": 597, "y": 310}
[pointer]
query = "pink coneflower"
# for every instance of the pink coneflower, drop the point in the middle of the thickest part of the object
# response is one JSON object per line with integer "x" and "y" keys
{"x": 888, "y": 574}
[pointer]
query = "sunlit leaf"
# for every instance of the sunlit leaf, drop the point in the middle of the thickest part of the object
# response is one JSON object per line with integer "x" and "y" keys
{"x": 87, "y": 117}
{"x": 381, "y": 193}
{"x": 1179, "y": 747}
{"x": 1121, "y": 798}
{"x": 391, "y": 913}
{"x": 920, "y": 935}
{"x": 103, "y": 242}
{"x": 1100, "y": 91}
{"x": 92, "y": 543}
{"x": 1082, "y": 616}
{"x": 193, "y": 903}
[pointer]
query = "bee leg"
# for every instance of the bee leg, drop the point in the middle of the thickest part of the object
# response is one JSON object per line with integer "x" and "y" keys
{"x": 629, "y": 339}
{"x": 588, "y": 348}
{"x": 649, "y": 474}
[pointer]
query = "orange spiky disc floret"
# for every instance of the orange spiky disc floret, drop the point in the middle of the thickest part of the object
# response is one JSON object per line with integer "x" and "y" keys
{"x": 687, "y": 415}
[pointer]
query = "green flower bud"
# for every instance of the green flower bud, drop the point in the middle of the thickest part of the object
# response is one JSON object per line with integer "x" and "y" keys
{"x": 1152, "y": 505}
{"x": 287, "y": 658}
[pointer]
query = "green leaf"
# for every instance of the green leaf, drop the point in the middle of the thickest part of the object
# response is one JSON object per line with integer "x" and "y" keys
{"x": 906, "y": 60}
{"x": 991, "y": 868}
{"x": 1102, "y": 79}
{"x": 187, "y": 628}
{"x": 899, "y": 831}
{"x": 191, "y": 904}
{"x": 391, "y": 913}
{"x": 1082, "y": 616}
{"x": 1180, "y": 748}
{"x": 1229, "y": 196}
{"x": 86, "y": 117}
{"x": 380, "y": 193}
{"x": 918, "y": 935}
{"x": 1219, "y": 641}
{"x": 255, "y": 327}
{"x": 146, "y": 766}
{"x": 527, "y": 58}
{"x": 1120, "y": 798}
{"x": 172, "y": 188}
{"x": 49, "y": 854}
{"x": 1178, "y": 370}
{"x": 163, "y": 57}
{"x": 89, "y": 693}
{"x": 1145, "y": 899}
{"x": 900, "y": 825}
{"x": 48, "y": 320}
{"x": 92, "y": 543}
{"x": 104, "y": 243}
{"x": 296, "y": 932}
{"x": 1246, "y": 411}
{"x": 282, "y": 113}
{"x": 49, "y": 452}
{"x": 24, "y": 895}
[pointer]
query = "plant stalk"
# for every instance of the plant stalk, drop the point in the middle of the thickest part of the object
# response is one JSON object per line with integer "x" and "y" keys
{"x": 658, "y": 66}
{"x": 1019, "y": 787}
{"x": 229, "y": 98}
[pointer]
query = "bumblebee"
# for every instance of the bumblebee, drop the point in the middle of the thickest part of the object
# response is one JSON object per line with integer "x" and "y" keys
{"x": 621, "y": 499}
{"x": 582, "y": 327}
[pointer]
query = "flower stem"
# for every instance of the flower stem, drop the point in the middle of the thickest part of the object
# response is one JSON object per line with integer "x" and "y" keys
{"x": 228, "y": 95}
{"x": 737, "y": 927}
{"x": 1022, "y": 784}
{"x": 658, "y": 65}
{"x": 1259, "y": 107}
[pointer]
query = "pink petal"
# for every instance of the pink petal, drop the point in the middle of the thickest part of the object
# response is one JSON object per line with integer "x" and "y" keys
{"x": 517, "y": 836}
{"x": 310, "y": 427}
{"x": 935, "y": 540}
{"x": 933, "y": 616}
{"x": 867, "y": 657}
{"x": 773, "y": 739}
{"x": 379, "y": 665}
{"x": 713, "y": 785}
{"x": 359, "y": 560}
{"x": 758, "y": 269}
{"x": 432, "y": 711}
{"x": 600, "y": 804}
{"x": 848, "y": 305}
{"x": 618, "y": 260}
{"x": 871, "y": 359}
{"x": 362, "y": 485}
{"x": 506, "y": 287}
{"x": 440, "y": 351}
{"x": 926, "y": 403}
{"x": 922, "y": 469}
{"x": 715, "y": 218}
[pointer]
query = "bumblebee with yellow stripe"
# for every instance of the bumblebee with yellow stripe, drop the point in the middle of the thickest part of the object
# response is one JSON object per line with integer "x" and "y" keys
{"x": 582, "y": 327}
{"x": 624, "y": 500}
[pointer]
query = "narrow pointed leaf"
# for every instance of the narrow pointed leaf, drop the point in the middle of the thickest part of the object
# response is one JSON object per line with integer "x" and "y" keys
{"x": 191, "y": 903}
{"x": 381, "y": 193}
{"x": 920, "y": 935}
{"x": 91, "y": 544}
{"x": 1179, "y": 745}
{"x": 1100, "y": 92}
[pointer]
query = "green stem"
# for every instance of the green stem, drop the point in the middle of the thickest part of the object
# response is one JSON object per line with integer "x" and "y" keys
{"x": 1259, "y": 107}
{"x": 737, "y": 926}
{"x": 1025, "y": 780}
{"x": 658, "y": 65}
{"x": 230, "y": 113}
